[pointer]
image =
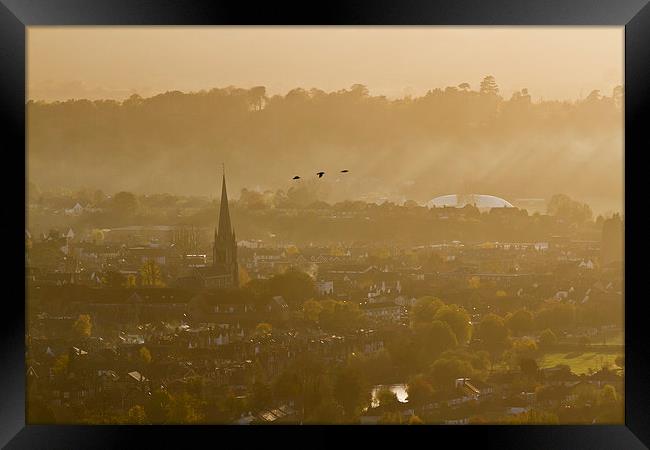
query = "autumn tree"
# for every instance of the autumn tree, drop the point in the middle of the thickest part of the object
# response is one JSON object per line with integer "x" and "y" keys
{"x": 82, "y": 327}
{"x": 137, "y": 415}
{"x": 150, "y": 274}
{"x": 263, "y": 329}
{"x": 61, "y": 364}
{"x": 312, "y": 309}
{"x": 144, "y": 355}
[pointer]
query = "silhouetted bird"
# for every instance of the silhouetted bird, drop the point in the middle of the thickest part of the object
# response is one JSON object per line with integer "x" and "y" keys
{"x": 344, "y": 171}
{"x": 296, "y": 177}
{"x": 320, "y": 174}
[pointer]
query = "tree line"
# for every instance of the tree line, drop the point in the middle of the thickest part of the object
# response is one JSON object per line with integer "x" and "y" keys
{"x": 148, "y": 143}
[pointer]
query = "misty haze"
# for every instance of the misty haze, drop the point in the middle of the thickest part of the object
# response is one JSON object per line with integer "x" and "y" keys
{"x": 361, "y": 226}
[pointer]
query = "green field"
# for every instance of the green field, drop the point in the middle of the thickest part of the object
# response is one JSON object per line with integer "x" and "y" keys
{"x": 609, "y": 337}
{"x": 580, "y": 361}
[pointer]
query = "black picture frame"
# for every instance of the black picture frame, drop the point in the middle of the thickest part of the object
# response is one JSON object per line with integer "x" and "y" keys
{"x": 16, "y": 15}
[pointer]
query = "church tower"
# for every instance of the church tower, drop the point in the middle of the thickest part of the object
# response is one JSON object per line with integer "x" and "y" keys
{"x": 225, "y": 245}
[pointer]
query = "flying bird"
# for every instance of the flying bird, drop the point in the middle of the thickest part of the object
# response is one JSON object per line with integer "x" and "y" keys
{"x": 320, "y": 174}
{"x": 296, "y": 177}
{"x": 344, "y": 171}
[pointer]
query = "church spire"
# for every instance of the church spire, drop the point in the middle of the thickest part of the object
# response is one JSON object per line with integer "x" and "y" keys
{"x": 225, "y": 228}
{"x": 225, "y": 245}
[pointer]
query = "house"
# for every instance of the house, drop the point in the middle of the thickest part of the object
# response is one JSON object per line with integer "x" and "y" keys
{"x": 282, "y": 414}
{"x": 588, "y": 265}
{"x": 324, "y": 287}
{"x": 560, "y": 375}
{"x": 76, "y": 210}
{"x": 278, "y": 308}
{"x": 366, "y": 342}
{"x": 405, "y": 301}
{"x": 140, "y": 235}
{"x": 383, "y": 311}
{"x": 606, "y": 376}
{"x": 475, "y": 387}
{"x": 373, "y": 415}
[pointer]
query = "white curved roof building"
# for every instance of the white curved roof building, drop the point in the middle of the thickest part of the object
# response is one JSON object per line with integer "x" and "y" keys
{"x": 478, "y": 200}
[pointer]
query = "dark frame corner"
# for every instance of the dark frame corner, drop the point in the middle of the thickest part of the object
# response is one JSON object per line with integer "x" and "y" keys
{"x": 16, "y": 15}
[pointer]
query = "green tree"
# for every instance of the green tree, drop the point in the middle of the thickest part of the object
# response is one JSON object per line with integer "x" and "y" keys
{"x": 351, "y": 391}
{"x": 340, "y": 315}
{"x": 287, "y": 386}
{"x": 445, "y": 371}
{"x": 113, "y": 279}
{"x": 458, "y": 319}
{"x": 425, "y": 309}
{"x": 124, "y": 203}
{"x": 586, "y": 394}
{"x": 293, "y": 285}
{"x": 434, "y": 338}
{"x": 620, "y": 361}
{"x": 387, "y": 399}
{"x": 262, "y": 396}
{"x": 489, "y": 86}
{"x": 523, "y": 348}
{"x": 493, "y": 333}
{"x": 565, "y": 207}
{"x": 390, "y": 418}
{"x": 184, "y": 409}
{"x": 327, "y": 412}
{"x": 528, "y": 367}
{"x": 419, "y": 390}
{"x": 519, "y": 322}
{"x": 607, "y": 395}
{"x": 547, "y": 339}
{"x": 157, "y": 408}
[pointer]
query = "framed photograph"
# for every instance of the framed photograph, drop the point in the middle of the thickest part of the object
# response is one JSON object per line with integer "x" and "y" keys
{"x": 362, "y": 218}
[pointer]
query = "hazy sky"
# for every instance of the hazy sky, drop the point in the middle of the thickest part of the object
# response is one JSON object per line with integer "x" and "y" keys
{"x": 114, "y": 62}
